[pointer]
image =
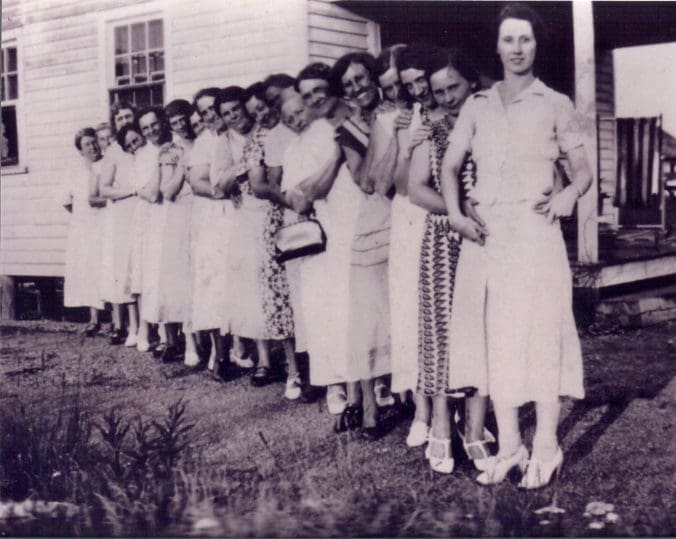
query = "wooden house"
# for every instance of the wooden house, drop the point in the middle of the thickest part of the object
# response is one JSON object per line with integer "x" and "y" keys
{"x": 64, "y": 61}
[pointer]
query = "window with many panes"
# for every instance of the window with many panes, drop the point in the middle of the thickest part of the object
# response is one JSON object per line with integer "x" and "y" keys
{"x": 139, "y": 63}
{"x": 10, "y": 101}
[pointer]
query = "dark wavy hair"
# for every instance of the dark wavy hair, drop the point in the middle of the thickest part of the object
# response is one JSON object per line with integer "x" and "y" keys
{"x": 122, "y": 133}
{"x": 459, "y": 61}
{"x": 257, "y": 90}
{"x": 211, "y": 92}
{"x": 316, "y": 70}
{"x": 116, "y": 107}
{"x": 524, "y": 12}
{"x": 423, "y": 56}
{"x": 231, "y": 93}
{"x": 343, "y": 63}
{"x": 84, "y": 132}
{"x": 388, "y": 58}
{"x": 279, "y": 80}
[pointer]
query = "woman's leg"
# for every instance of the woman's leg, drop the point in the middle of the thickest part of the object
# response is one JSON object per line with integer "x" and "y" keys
{"x": 263, "y": 349}
{"x": 132, "y": 311}
{"x": 545, "y": 442}
{"x": 117, "y": 316}
{"x": 94, "y": 316}
{"x": 369, "y": 403}
{"x": 422, "y": 408}
{"x": 509, "y": 435}
{"x": 290, "y": 355}
{"x": 441, "y": 420}
{"x": 475, "y": 415}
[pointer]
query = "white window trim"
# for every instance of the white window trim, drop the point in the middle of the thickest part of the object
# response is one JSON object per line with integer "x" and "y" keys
{"x": 13, "y": 38}
{"x": 129, "y": 15}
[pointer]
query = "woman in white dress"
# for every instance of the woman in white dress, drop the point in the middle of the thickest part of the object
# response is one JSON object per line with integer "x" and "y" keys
{"x": 117, "y": 186}
{"x": 389, "y": 139}
{"x": 325, "y": 277}
{"x": 155, "y": 131}
{"x": 179, "y": 113}
{"x": 513, "y": 311}
{"x": 83, "y": 246}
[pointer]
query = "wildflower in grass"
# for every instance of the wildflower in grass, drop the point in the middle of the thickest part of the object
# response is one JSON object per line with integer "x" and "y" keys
{"x": 598, "y": 509}
{"x": 549, "y": 509}
{"x": 612, "y": 517}
{"x": 596, "y": 525}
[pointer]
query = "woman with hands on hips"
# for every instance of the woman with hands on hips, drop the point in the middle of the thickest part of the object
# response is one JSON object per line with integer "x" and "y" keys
{"x": 513, "y": 308}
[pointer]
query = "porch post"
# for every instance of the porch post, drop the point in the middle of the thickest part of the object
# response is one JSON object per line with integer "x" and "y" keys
{"x": 585, "y": 102}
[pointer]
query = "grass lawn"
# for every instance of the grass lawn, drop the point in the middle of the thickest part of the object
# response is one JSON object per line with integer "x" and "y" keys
{"x": 258, "y": 465}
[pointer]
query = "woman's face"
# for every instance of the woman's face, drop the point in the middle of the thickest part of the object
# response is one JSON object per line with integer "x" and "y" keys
{"x": 450, "y": 89}
{"x": 123, "y": 117}
{"x": 151, "y": 127}
{"x": 416, "y": 85}
{"x": 315, "y": 94}
{"x": 358, "y": 86}
{"x": 89, "y": 148}
{"x": 207, "y": 110}
{"x": 133, "y": 141}
{"x": 390, "y": 84}
{"x": 196, "y": 123}
{"x": 259, "y": 110}
{"x": 295, "y": 114}
{"x": 516, "y": 46}
{"x": 104, "y": 137}
{"x": 179, "y": 125}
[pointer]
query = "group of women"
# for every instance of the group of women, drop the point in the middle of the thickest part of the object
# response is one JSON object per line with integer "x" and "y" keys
{"x": 444, "y": 274}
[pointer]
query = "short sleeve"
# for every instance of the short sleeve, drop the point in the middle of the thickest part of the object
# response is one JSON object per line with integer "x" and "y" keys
{"x": 568, "y": 124}
{"x": 275, "y": 145}
{"x": 463, "y": 131}
{"x": 201, "y": 154}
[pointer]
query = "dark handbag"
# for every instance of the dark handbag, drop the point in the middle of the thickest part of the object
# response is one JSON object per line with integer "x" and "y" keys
{"x": 300, "y": 239}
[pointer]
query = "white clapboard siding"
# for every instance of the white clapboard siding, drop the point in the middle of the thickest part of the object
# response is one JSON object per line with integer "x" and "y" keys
{"x": 58, "y": 53}
{"x": 334, "y": 31}
{"x": 208, "y": 43}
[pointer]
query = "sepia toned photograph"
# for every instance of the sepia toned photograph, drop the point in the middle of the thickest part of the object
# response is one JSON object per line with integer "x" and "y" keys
{"x": 337, "y": 268}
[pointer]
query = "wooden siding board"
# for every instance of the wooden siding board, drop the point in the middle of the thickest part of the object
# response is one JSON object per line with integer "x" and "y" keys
{"x": 326, "y": 8}
{"x": 32, "y": 270}
{"x": 331, "y": 37}
{"x": 337, "y": 25}
{"x": 34, "y": 231}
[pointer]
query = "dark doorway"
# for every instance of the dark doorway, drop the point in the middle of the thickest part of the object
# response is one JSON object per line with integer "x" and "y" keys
{"x": 471, "y": 27}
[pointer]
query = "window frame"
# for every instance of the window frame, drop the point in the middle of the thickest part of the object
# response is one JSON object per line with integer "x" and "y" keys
{"x": 12, "y": 38}
{"x": 129, "y": 15}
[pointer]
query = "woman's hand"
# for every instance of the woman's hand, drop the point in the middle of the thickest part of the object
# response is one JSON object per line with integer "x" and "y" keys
{"x": 422, "y": 134}
{"x": 561, "y": 204}
{"x": 469, "y": 208}
{"x": 403, "y": 120}
{"x": 297, "y": 201}
{"x": 469, "y": 229}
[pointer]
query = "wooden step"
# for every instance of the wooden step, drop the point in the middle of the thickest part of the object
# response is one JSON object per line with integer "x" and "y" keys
{"x": 639, "y": 309}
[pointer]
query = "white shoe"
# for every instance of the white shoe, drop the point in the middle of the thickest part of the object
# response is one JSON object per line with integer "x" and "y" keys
{"x": 132, "y": 340}
{"x": 417, "y": 434}
{"x": 191, "y": 359}
{"x": 293, "y": 387}
{"x": 483, "y": 462}
{"x": 443, "y": 464}
{"x": 241, "y": 361}
{"x": 383, "y": 395}
{"x": 336, "y": 400}
{"x": 498, "y": 466}
{"x": 142, "y": 346}
{"x": 539, "y": 474}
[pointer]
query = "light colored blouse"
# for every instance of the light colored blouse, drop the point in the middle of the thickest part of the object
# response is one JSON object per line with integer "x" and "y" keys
{"x": 515, "y": 146}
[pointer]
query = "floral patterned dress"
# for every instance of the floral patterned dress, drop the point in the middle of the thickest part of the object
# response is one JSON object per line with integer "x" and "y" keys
{"x": 439, "y": 253}
{"x": 273, "y": 298}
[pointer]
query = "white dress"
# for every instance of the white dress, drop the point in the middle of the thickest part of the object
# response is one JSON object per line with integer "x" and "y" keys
{"x": 118, "y": 235}
{"x": 82, "y": 286}
{"x": 325, "y": 278}
{"x": 167, "y": 298}
{"x": 209, "y": 238}
{"x": 407, "y": 223}
{"x": 512, "y": 314}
